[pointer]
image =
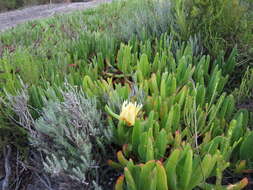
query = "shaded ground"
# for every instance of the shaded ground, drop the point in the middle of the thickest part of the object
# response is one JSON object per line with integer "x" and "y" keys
{"x": 13, "y": 18}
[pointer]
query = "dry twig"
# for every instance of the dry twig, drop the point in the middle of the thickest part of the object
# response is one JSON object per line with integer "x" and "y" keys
{"x": 7, "y": 166}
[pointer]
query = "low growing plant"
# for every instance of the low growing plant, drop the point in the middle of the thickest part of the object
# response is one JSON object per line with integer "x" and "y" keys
{"x": 69, "y": 131}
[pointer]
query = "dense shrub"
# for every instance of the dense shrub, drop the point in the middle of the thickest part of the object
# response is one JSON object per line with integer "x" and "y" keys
{"x": 221, "y": 24}
{"x": 10, "y": 4}
{"x": 6, "y": 5}
{"x": 70, "y": 132}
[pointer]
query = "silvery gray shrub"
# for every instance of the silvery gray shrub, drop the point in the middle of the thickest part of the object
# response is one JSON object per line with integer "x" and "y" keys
{"x": 70, "y": 131}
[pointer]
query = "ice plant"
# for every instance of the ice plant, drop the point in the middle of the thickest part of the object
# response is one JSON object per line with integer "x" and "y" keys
{"x": 129, "y": 112}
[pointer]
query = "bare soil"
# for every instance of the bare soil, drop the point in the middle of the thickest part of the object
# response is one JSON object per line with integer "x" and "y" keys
{"x": 13, "y": 18}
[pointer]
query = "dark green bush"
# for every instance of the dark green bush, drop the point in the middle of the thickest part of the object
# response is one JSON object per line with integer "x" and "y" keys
{"x": 10, "y": 4}
{"x": 6, "y": 5}
{"x": 221, "y": 24}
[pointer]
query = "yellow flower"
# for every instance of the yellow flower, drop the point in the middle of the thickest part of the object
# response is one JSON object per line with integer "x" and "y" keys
{"x": 129, "y": 112}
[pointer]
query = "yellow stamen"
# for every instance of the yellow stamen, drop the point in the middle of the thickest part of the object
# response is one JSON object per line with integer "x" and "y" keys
{"x": 129, "y": 112}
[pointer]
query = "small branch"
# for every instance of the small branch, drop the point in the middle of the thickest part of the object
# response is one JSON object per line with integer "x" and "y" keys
{"x": 7, "y": 155}
{"x": 45, "y": 182}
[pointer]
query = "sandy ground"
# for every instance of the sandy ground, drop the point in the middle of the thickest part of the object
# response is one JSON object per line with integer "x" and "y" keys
{"x": 13, "y": 18}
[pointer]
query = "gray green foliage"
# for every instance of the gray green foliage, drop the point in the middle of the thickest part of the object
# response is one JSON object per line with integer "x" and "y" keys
{"x": 70, "y": 131}
{"x": 143, "y": 18}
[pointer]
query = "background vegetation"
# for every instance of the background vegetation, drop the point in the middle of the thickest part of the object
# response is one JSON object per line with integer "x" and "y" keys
{"x": 6, "y": 5}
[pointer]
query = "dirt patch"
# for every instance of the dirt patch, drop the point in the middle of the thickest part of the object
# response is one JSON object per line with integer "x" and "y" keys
{"x": 13, "y": 18}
